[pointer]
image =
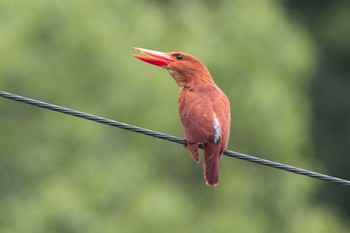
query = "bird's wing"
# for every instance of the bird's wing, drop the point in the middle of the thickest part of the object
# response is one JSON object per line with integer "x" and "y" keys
{"x": 196, "y": 116}
{"x": 200, "y": 117}
{"x": 222, "y": 111}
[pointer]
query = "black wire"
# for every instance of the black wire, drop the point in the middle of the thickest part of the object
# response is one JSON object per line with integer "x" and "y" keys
{"x": 171, "y": 138}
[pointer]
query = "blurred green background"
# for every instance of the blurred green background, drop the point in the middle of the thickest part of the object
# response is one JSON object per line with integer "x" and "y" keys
{"x": 283, "y": 64}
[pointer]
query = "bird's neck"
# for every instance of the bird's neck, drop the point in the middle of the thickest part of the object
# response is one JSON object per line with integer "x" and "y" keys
{"x": 191, "y": 80}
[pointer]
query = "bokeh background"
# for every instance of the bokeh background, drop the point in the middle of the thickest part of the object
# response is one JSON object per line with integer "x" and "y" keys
{"x": 283, "y": 64}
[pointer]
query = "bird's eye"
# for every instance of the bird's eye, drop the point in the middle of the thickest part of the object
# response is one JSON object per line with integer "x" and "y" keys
{"x": 179, "y": 57}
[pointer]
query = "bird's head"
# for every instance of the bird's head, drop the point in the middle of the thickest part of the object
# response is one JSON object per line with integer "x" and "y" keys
{"x": 184, "y": 68}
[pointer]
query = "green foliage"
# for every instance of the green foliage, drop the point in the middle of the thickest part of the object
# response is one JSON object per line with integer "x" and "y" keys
{"x": 61, "y": 174}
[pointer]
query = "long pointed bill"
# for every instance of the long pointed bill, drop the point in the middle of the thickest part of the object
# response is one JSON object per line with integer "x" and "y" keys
{"x": 155, "y": 57}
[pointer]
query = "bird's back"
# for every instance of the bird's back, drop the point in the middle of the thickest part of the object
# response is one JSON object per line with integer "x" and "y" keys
{"x": 202, "y": 108}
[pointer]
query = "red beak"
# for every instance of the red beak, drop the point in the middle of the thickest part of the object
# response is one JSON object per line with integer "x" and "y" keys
{"x": 156, "y": 58}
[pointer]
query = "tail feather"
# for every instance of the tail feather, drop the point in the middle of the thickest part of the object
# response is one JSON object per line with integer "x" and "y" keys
{"x": 211, "y": 163}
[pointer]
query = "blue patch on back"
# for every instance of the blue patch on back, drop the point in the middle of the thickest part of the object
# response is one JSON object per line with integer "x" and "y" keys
{"x": 217, "y": 130}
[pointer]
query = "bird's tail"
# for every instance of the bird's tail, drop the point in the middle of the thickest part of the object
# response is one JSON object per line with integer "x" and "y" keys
{"x": 211, "y": 163}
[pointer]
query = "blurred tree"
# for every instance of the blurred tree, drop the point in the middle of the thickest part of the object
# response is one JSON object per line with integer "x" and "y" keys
{"x": 328, "y": 22}
{"x": 60, "y": 174}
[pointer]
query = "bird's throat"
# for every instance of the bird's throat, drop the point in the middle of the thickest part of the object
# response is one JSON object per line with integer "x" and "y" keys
{"x": 178, "y": 78}
{"x": 189, "y": 80}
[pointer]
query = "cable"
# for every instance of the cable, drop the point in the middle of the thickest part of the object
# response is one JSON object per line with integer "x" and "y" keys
{"x": 171, "y": 138}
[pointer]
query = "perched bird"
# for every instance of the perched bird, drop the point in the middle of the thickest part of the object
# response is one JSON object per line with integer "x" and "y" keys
{"x": 204, "y": 108}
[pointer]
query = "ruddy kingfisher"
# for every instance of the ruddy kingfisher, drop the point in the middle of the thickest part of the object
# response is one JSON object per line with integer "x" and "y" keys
{"x": 204, "y": 108}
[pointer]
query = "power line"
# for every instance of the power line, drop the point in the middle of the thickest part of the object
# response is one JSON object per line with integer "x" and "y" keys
{"x": 171, "y": 138}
